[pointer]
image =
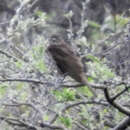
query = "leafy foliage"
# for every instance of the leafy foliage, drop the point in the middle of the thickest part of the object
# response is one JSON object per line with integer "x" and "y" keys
{"x": 37, "y": 55}
{"x": 66, "y": 121}
{"x": 65, "y": 94}
{"x": 27, "y": 89}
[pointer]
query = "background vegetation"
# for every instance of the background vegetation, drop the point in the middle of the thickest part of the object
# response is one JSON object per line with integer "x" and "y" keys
{"x": 33, "y": 96}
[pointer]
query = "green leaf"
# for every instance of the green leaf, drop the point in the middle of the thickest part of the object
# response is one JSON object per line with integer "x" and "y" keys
{"x": 88, "y": 92}
{"x": 23, "y": 96}
{"x": 37, "y": 55}
{"x": 58, "y": 95}
{"x": 85, "y": 91}
{"x": 40, "y": 66}
{"x": 93, "y": 58}
{"x": 19, "y": 64}
{"x": 121, "y": 20}
{"x": 46, "y": 118}
{"x": 66, "y": 121}
{"x": 41, "y": 14}
{"x": 3, "y": 89}
{"x": 38, "y": 52}
{"x": 90, "y": 79}
{"x": 94, "y": 24}
{"x": 105, "y": 110}
{"x": 20, "y": 86}
{"x": 101, "y": 71}
{"x": 65, "y": 95}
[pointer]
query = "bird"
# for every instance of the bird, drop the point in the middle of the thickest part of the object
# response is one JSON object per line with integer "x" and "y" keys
{"x": 67, "y": 61}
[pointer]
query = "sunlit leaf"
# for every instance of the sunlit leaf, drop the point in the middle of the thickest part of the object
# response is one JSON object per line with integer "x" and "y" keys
{"x": 93, "y": 58}
{"x": 46, "y": 118}
{"x": 19, "y": 64}
{"x": 19, "y": 86}
{"x": 41, "y": 14}
{"x": 85, "y": 91}
{"x": 94, "y": 24}
{"x": 40, "y": 66}
{"x": 66, "y": 121}
{"x": 23, "y": 96}
{"x": 3, "y": 90}
{"x": 122, "y": 20}
{"x": 65, "y": 95}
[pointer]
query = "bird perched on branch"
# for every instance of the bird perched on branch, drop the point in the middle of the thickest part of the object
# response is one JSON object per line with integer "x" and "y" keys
{"x": 67, "y": 61}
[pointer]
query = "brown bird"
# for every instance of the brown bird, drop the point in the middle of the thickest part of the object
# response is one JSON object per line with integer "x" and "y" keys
{"x": 67, "y": 61}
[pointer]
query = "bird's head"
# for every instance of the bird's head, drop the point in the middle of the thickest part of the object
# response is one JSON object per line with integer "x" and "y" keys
{"x": 55, "y": 39}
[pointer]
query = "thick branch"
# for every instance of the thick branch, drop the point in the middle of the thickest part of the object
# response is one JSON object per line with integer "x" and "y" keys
{"x": 114, "y": 104}
{"x": 119, "y": 94}
{"x": 49, "y": 83}
{"x": 123, "y": 124}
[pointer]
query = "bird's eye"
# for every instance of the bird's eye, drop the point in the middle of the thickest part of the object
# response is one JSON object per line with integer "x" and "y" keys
{"x": 54, "y": 39}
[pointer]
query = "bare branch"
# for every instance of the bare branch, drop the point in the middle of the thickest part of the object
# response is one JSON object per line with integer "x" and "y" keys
{"x": 114, "y": 104}
{"x": 8, "y": 55}
{"x": 24, "y": 80}
{"x": 84, "y": 103}
{"x": 17, "y": 122}
{"x": 123, "y": 124}
{"x": 43, "y": 125}
{"x": 119, "y": 94}
{"x": 49, "y": 83}
{"x": 96, "y": 86}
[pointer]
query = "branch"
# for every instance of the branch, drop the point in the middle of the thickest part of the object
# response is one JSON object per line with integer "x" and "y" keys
{"x": 16, "y": 104}
{"x": 96, "y": 86}
{"x": 119, "y": 94}
{"x": 24, "y": 80}
{"x": 17, "y": 122}
{"x": 123, "y": 124}
{"x": 80, "y": 125}
{"x": 8, "y": 55}
{"x": 23, "y": 104}
{"x": 114, "y": 104}
{"x": 43, "y": 125}
{"x": 82, "y": 102}
{"x": 49, "y": 83}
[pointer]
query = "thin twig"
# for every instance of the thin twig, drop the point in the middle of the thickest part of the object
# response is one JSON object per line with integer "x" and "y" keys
{"x": 24, "y": 80}
{"x": 119, "y": 94}
{"x": 83, "y": 103}
{"x": 8, "y": 55}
